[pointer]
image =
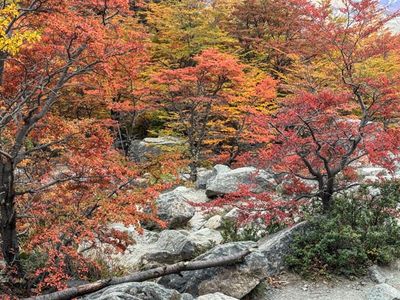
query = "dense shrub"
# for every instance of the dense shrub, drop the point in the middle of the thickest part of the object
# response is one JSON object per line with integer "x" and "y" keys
{"x": 232, "y": 231}
{"x": 362, "y": 229}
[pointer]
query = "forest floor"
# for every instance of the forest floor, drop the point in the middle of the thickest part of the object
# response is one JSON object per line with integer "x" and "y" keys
{"x": 293, "y": 287}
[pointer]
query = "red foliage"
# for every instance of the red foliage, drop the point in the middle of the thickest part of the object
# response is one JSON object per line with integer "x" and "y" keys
{"x": 214, "y": 72}
{"x": 258, "y": 207}
{"x": 319, "y": 138}
{"x": 269, "y": 31}
{"x": 62, "y": 182}
{"x": 193, "y": 93}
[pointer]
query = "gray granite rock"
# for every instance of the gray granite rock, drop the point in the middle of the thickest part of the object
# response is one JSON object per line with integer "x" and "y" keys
{"x": 142, "y": 150}
{"x": 225, "y": 180}
{"x": 174, "y": 207}
{"x": 214, "y": 222}
{"x": 136, "y": 291}
{"x": 202, "y": 177}
{"x": 376, "y": 275}
{"x": 167, "y": 247}
{"x": 383, "y": 291}
{"x": 240, "y": 279}
{"x": 215, "y": 296}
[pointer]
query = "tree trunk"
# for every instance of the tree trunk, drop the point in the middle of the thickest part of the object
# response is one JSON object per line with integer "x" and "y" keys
{"x": 326, "y": 203}
{"x": 9, "y": 238}
{"x": 327, "y": 195}
{"x": 193, "y": 171}
{"x": 3, "y": 57}
{"x": 194, "y": 164}
{"x": 146, "y": 275}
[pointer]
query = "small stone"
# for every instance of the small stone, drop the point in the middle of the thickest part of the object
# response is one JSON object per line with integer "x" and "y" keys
{"x": 215, "y": 296}
{"x": 197, "y": 221}
{"x": 375, "y": 275}
{"x": 232, "y": 215}
{"x": 214, "y": 222}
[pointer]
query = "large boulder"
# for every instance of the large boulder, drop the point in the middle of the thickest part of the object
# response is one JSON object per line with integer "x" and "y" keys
{"x": 170, "y": 246}
{"x": 142, "y": 150}
{"x": 226, "y": 180}
{"x": 191, "y": 195}
{"x": 240, "y": 279}
{"x": 231, "y": 281}
{"x": 383, "y": 291}
{"x": 137, "y": 291}
{"x": 174, "y": 207}
{"x": 174, "y": 246}
{"x": 203, "y": 175}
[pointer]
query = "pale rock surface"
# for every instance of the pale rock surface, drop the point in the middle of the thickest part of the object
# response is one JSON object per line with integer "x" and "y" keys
{"x": 197, "y": 221}
{"x": 383, "y": 291}
{"x": 215, "y": 296}
{"x": 137, "y": 291}
{"x": 238, "y": 280}
{"x": 214, "y": 222}
{"x": 174, "y": 206}
{"x": 170, "y": 246}
{"x": 226, "y": 180}
{"x": 142, "y": 150}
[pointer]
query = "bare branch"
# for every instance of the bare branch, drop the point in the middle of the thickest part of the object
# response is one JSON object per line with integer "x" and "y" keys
{"x": 145, "y": 275}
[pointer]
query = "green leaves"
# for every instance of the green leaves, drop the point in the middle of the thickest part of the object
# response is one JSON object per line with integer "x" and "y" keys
{"x": 361, "y": 230}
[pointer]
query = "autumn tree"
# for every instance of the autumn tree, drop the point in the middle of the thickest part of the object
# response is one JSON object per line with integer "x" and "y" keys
{"x": 231, "y": 130}
{"x": 270, "y": 31}
{"x": 192, "y": 93}
{"x": 182, "y": 29}
{"x": 320, "y": 135}
{"x": 61, "y": 180}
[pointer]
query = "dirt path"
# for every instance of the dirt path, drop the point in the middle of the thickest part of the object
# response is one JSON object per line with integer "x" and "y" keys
{"x": 292, "y": 287}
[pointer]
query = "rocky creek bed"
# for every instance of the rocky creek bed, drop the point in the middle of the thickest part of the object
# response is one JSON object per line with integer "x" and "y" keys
{"x": 194, "y": 235}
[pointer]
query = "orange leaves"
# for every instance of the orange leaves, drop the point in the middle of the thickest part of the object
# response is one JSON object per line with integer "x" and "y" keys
{"x": 216, "y": 64}
{"x": 56, "y": 98}
{"x": 269, "y": 31}
{"x": 266, "y": 89}
{"x": 213, "y": 73}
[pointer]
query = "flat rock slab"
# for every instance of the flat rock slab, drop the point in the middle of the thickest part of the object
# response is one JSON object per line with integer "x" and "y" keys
{"x": 224, "y": 180}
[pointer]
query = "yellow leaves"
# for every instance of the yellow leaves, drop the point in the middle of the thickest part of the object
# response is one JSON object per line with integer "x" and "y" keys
{"x": 24, "y": 163}
{"x": 12, "y": 40}
{"x": 181, "y": 29}
{"x": 310, "y": 75}
{"x": 379, "y": 66}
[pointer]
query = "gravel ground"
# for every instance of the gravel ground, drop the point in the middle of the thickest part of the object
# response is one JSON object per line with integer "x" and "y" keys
{"x": 292, "y": 287}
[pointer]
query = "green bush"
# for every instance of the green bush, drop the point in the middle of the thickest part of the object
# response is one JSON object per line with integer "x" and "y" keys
{"x": 231, "y": 231}
{"x": 361, "y": 230}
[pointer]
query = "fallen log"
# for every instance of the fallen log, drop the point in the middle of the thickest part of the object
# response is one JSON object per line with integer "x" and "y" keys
{"x": 143, "y": 276}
